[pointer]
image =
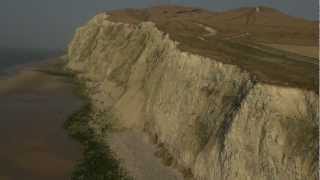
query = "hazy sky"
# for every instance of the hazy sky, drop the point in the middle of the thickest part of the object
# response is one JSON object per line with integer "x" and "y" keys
{"x": 51, "y": 23}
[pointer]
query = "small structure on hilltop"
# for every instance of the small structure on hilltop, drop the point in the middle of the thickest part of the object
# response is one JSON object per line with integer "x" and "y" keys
{"x": 257, "y": 9}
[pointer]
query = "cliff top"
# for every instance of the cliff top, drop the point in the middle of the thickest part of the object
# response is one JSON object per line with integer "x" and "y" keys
{"x": 262, "y": 40}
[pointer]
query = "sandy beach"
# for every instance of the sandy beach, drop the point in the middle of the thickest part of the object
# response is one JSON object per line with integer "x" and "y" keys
{"x": 33, "y": 107}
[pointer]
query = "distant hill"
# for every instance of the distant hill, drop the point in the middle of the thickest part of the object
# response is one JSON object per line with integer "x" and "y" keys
{"x": 262, "y": 24}
{"x": 261, "y": 40}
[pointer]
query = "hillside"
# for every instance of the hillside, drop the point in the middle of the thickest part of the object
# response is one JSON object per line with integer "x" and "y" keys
{"x": 263, "y": 24}
{"x": 237, "y": 35}
{"x": 215, "y": 101}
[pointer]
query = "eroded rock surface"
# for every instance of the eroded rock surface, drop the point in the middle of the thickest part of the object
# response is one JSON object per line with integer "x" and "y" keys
{"x": 214, "y": 120}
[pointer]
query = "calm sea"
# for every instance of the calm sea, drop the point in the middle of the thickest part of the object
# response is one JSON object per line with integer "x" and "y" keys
{"x": 11, "y": 58}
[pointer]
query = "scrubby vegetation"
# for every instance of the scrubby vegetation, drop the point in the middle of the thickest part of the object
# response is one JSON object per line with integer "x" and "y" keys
{"x": 97, "y": 163}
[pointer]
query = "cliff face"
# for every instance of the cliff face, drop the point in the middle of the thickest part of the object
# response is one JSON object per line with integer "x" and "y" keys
{"x": 214, "y": 119}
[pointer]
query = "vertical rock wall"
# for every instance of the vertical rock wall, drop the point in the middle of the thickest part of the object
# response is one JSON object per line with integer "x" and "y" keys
{"x": 213, "y": 119}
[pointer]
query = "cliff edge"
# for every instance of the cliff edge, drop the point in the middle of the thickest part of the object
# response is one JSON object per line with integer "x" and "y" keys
{"x": 212, "y": 119}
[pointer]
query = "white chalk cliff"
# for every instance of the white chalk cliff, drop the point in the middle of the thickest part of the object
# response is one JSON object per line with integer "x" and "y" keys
{"x": 214, "y": 120}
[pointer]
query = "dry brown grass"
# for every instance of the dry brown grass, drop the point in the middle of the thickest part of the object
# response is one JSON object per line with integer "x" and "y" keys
{"x": 237, "y": 29}
{"x": 268, "y": 25}
{"x": 310, "y": 51}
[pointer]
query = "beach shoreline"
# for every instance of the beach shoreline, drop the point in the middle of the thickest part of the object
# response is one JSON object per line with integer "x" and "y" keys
{"x": 34, "y": 105}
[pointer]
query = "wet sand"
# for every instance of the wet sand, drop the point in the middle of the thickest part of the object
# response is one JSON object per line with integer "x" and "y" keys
{"x": 34, "y": 145}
